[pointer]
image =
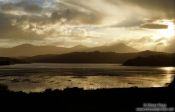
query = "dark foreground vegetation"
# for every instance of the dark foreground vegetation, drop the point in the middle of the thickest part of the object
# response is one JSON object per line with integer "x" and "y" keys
{"x": 76, "y": 99}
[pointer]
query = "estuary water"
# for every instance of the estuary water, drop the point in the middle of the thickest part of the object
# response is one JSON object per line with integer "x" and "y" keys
{"x": 37, "y": 77}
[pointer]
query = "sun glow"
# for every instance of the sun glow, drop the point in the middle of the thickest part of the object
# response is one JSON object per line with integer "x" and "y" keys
{"x": 169, "y": 32}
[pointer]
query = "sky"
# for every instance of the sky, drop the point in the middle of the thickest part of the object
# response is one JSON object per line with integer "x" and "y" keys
{"x": 141, "y": 24}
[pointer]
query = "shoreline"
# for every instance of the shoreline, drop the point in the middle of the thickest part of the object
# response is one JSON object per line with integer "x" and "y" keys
{"x": 77, "y": 99}
{"x": 170, "y": 86}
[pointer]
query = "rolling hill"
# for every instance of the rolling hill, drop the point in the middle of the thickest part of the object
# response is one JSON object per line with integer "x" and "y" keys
{"x": 89, "y": 57}
{"x": 118, "y": 48}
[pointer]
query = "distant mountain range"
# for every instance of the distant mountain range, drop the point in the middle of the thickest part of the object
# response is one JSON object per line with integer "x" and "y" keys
{"x": 117, "y": 48}
{"x": 28, "y": 50}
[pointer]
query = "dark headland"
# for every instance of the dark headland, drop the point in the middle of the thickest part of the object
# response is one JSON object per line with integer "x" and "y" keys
{"x": 153, "y": 60}
{"x": 10, "y": 61}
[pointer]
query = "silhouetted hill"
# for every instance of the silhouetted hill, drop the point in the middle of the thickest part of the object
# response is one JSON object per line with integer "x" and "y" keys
{"x": 77, "y": 57}
{"x": 89, "y": 57}
{"x": 9, "y": 61}
{"x": 148, "y": 53}
{"x": 74, "y": 57}
{"x": 118, "y": 48}
{"x": 27, "y": 50}
{"x": 153, "y": 60}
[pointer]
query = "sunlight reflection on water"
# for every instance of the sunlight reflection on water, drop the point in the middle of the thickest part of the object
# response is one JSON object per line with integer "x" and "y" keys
{"x": 38, "y": 77}
{"x": 168, "y": 69}
{"x": 169, "y": 74}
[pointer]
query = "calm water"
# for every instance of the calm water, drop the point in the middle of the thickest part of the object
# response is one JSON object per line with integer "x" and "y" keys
{"x": 38, "y": 77}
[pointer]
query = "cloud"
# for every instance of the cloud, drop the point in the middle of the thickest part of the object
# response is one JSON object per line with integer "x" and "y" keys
{"x": 156, "y": 7}
{"x": 12, "y": 32}
{"x": 74, "y": 16}
{"x": 69, "y": 11}
{"x": 31, "y": 21}
{"x": 154, "y": 26}
{"x": 130, "y": 22}
{"x": 76, "y": 12}
{"x": 21, "y": 6}
{"x": 137, "y": 12}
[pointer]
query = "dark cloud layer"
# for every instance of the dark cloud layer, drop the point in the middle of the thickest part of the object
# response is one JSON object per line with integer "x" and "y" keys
{"x": 155, "y": 26}
{"x": 25, "y": 6}
{"x": 14, "y": 32}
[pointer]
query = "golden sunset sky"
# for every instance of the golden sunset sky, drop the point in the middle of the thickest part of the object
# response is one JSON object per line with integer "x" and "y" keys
{"x": 141, "y": 24}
